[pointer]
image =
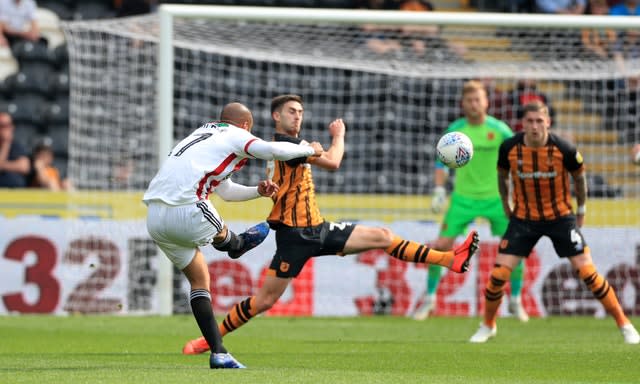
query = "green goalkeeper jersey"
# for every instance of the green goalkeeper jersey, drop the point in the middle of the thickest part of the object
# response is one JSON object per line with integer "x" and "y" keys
{"x": 479, "y": 178}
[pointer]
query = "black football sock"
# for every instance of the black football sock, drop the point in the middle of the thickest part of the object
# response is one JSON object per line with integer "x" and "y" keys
{"x": 202, "y": 311}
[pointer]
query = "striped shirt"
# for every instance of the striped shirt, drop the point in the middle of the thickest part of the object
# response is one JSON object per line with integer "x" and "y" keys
{"x": 295, "y": 203}
{"x": 540, "y": 176}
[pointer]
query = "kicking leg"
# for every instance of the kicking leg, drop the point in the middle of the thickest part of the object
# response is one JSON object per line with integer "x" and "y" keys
{"x": 238, "y": 245}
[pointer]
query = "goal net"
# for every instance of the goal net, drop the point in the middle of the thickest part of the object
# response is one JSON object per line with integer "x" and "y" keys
{"x": 395, "y": 78}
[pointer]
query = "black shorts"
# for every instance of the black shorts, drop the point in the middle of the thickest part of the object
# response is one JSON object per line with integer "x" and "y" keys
{"x": 296, "y": 245}
{"x": 522, "y": 235}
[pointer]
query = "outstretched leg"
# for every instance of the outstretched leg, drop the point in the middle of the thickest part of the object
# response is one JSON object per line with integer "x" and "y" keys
{"x": 456, "y": 260}
{"x": 364, "y": 238}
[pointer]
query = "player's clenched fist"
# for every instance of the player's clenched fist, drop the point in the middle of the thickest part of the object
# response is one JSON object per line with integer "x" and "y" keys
{"x": 317, "y": 147}
{"x": 267, "y": 188}
{"x": 337, "y": 128}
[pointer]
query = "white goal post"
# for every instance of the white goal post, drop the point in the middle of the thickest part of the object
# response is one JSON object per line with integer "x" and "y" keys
{"x": 140, "y": 83}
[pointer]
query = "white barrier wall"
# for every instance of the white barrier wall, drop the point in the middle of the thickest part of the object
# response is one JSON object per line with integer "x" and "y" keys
{"x": 107, "y": 267}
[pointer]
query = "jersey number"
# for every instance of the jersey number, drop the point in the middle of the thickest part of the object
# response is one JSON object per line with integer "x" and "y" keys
{"x": 339, "y": 226}
{"x": 199, "y": 138}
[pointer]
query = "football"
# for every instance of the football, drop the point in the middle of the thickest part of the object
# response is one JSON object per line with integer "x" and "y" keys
{"x": 454, "y": 149}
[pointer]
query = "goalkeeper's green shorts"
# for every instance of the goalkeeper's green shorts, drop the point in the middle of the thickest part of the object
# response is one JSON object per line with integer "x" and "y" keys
{"x": 464, "y": 210}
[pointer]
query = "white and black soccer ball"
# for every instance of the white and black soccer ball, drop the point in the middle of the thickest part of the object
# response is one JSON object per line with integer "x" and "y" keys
{"x": 454, "y": 149}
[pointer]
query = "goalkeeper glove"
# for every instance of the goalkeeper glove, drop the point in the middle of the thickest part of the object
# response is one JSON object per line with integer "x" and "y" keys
{"x": 439, "y": 199}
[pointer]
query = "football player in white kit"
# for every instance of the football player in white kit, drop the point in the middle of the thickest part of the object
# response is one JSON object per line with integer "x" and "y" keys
{"x": 181, "y": 218}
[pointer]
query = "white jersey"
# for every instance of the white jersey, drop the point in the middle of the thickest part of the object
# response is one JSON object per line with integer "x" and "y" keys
{"x": 18, "y": 16}
{"x": 199, "y": 163}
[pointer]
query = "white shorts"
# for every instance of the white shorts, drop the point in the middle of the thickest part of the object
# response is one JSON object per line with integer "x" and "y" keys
{"x": 180, "y": 230}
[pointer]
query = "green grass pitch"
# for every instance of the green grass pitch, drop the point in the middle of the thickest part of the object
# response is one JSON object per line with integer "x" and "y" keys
{"x": 106, "y": 349}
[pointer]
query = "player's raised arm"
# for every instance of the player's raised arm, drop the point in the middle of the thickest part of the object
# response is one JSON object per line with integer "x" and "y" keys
{"x": 282, "y": 150}
{"x": 332, "y": 158}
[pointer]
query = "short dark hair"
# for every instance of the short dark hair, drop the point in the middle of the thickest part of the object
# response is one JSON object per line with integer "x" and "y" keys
{"x": 42, "y": 147}
{"x": 278, "y": 101}
{"x": 535, "y": 106}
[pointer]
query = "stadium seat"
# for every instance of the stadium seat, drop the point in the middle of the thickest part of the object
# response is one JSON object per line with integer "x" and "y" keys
{"x": 26, "y": 108}
{"x": 59, "y": 85}
{"x": 59, "y": 135}
{"x": 25, "y": 50}
{"x": 63, "y": 8}
{"x": 40, "y": 70}
{"x": 5, "y": 91}
{"x": 94, "y": 9}
{"x": 55, "y": 112}
{"x": 33, "y": 59}
{"x": 33, "y": 83}
{"x": 59, "y": 57}
{"x": 27, "y": 134}
{"x": 597, "y": 186}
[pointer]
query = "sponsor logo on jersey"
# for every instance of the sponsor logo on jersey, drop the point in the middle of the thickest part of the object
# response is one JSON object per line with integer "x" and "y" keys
{"x": 537, "y": 175}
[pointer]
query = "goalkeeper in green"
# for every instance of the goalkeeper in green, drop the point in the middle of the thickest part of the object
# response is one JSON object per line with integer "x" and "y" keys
{"x": 475, "y": 192}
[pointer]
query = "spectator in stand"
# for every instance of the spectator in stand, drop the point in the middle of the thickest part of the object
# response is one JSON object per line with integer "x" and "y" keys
{"x": 626, "y": 8}
{"x": 561, "y": 7}
{"x": 598, "y": 44}
{"x": 627, "y": 47}
{"x": 420, "y": 40}
{"x": 427, "y": 37}
{"x": 18, "y": 21}
{"x": 14, "y": 159}
{"x": 44, "y": 173}
{"x": 525, "y": 92}
{"x": 378, "y": 38}
{"x": 627, "y": 42}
